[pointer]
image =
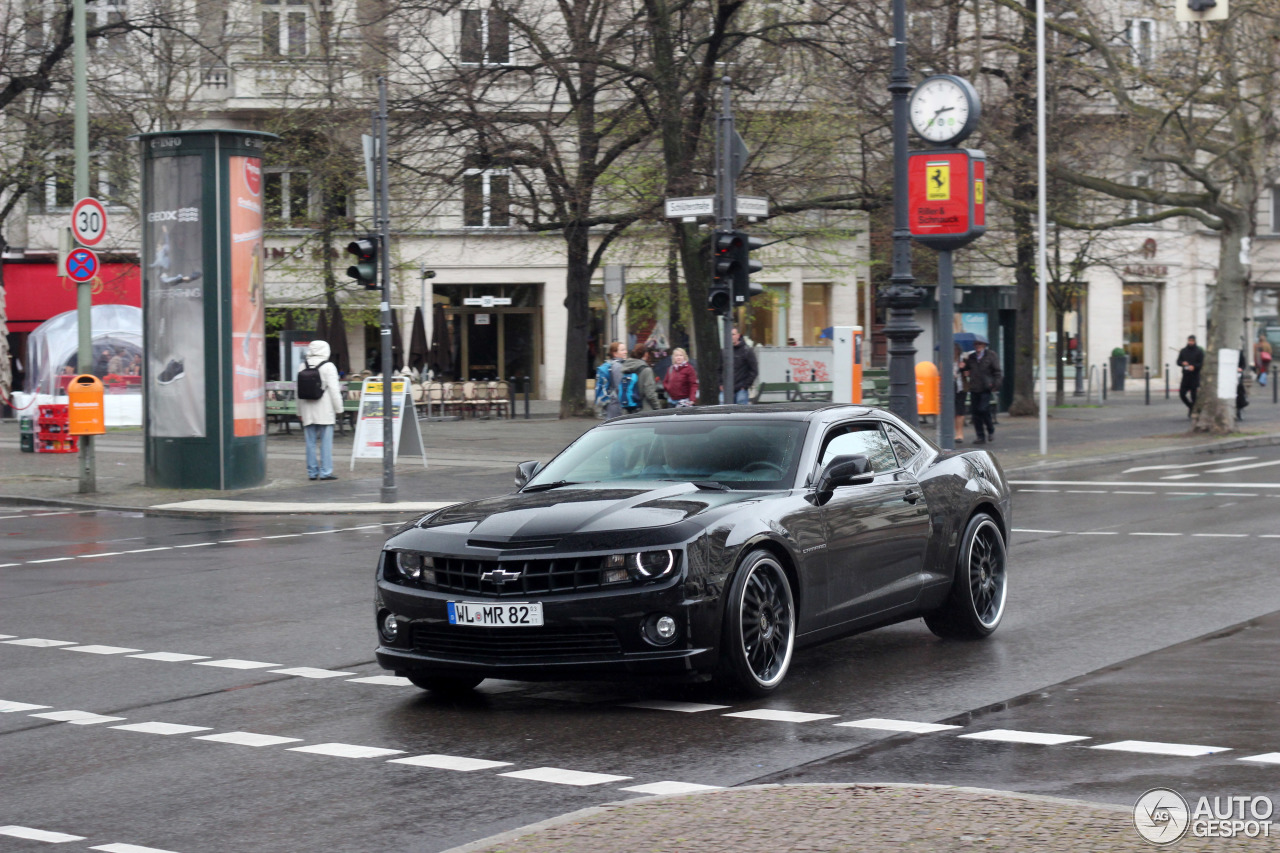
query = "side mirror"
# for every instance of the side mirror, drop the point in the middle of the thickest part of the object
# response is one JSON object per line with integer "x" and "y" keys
{"x": 851, "y": 470}
{"x": 525, "y": 472}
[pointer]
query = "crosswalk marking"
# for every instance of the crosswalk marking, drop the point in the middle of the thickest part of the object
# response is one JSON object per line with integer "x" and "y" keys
{"x": 1147, "y": 747}
{"x": 1014, "y": 736}
{"x": 29, "y": 834}
{"x": 557, "y": 776}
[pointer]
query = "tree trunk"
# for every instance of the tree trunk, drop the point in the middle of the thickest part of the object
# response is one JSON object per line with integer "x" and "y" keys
{"x": 573, "y": 396}
{"x": 1226, "y": 328}
{"x": 1025, "y": 190}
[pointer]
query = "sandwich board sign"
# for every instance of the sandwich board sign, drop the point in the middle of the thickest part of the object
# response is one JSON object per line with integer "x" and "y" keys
{"x": 368, "y": 439}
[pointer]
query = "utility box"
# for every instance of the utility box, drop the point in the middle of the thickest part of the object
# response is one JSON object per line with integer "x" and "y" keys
{"x": 85, "y": 406}
{"x": 204, "y": 308}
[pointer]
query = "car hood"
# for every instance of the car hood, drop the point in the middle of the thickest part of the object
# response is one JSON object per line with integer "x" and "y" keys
{"x": 582, "y": 509}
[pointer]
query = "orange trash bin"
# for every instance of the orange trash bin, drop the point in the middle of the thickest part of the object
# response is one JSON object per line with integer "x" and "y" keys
{"x": 86, "y": 415}
{"x": 928, "y": 400}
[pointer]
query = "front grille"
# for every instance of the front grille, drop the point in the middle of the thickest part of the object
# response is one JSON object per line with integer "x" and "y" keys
{"x": 501, "y": 644}
{"x": 566, "y": 574}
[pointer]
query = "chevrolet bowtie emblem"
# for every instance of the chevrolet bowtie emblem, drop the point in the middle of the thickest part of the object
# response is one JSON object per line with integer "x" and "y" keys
{"x": 499, "y": 576}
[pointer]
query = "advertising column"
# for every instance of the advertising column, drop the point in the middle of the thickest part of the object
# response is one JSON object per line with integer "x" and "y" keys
{"x": 204, "y": 309}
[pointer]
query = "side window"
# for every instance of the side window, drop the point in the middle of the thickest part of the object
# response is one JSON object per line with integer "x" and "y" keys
{"x": 867, "y": 439}
{"x": 903, "y": 446}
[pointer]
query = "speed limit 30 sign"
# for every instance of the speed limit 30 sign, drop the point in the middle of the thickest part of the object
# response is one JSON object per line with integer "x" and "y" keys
{"x": 89, "y": 221}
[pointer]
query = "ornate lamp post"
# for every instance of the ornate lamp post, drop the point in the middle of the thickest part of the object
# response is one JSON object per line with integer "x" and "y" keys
{"x": 901, "y": 297}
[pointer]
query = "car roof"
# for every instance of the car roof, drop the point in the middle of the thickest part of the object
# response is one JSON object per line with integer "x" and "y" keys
{"x": 772, "y": 411}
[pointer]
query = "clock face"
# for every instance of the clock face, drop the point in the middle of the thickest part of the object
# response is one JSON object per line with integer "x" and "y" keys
{"x": 943, "y": 109}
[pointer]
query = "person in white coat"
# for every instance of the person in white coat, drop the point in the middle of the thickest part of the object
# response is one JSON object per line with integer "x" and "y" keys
{"x": 319, "y": 416}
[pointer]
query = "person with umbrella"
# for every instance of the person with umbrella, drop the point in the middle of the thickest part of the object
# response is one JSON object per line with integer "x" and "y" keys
{"x": 982, "y": 367}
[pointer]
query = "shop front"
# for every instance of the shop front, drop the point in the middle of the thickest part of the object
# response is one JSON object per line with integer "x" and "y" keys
{"x": 495, "y": 332}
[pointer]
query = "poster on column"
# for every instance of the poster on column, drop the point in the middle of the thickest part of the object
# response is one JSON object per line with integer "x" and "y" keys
{"x": 248, "y": 342}
{"x": 172, "y": 276}
{"x": 368, "y": 441}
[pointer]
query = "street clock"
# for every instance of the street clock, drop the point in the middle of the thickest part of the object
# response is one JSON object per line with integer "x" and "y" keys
{"x": 944, "y": 109}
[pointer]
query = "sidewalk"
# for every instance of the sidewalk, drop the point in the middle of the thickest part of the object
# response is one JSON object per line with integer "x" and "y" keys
{"x": 472, "y": 459}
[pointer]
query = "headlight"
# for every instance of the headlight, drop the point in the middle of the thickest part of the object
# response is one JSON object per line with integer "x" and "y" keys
{"x": 416, "y": 566}
{"x": 651, "y": 565}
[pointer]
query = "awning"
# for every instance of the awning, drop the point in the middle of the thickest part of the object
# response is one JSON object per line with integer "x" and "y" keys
{"x": 34, "y": 292}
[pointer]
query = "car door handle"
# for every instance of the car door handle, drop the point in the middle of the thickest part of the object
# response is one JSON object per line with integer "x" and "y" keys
{"x": 911, "y": 496}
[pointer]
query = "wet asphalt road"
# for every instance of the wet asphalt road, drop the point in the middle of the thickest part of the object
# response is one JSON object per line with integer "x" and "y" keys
{"x": 1139, "y": 611}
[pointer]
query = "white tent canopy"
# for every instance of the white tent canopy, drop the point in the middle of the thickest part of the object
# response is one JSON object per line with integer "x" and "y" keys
{"x": 56, "y": 343}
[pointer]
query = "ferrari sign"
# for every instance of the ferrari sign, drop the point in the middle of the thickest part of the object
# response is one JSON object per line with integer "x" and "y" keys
{"x": 946, "y": 197}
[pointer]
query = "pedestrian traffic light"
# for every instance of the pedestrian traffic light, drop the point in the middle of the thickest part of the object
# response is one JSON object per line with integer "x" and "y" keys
{"x": 720, "y": 296}
{"x": 743, "y": 267}
{"x": 365, "y": 269}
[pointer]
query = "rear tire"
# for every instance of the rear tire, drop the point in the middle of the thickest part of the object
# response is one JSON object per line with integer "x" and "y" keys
{"x": 449, "y": 685}
{"x": 760, "y": 626}
{"x": 975, "y": 605}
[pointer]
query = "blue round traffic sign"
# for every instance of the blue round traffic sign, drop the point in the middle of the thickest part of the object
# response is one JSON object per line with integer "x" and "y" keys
{"x": 82, "y": 265}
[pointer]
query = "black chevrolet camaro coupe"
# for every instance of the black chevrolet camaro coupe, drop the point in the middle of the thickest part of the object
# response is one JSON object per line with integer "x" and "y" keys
{"x": 696, "y": 543}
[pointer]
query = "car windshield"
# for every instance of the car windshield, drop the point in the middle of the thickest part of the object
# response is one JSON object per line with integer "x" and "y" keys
{"x": 740, "y": 454}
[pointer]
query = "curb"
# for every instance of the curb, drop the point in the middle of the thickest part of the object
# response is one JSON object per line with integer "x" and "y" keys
{"x": 592, "y": 811}
{"x": 1268, "y": 440}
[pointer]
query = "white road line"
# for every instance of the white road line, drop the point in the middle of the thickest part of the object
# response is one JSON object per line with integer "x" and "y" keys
{"x": 247, "y": 739}
{"x": 100, "y": 650}
{"x": 1265, "y": 758}
{"x": 161, "y": 728}
{"x": 7, "y": 636}
{"x": 170, "y": 657}
{"x": 897, "y": 726}
{"x": 1086, "y": 491}
{"x": 682, "y": 707}
{"x": 1013, "y": 736}
{"x": 7, "y": 565}
{"x": 1191, "y": 494}
{"x": 78, "y": 718}
{"x": 1033, "y": 530}
{"x": 780, "y": 716}
{"x": 1180, "y": 476}
{"x": 1243, "y": 467}
{"x": 100, "y": 554}
{"x": 388, "y": 680}
{"x": 346, "y": 750}
{"x": 1269, "y": 535}
{"x": 1044, "y": 491}
{"x": 282, "y": 536}
{"x": 1118, "y": 492}
{"x": 49, "y": 560}
{"x": 149, "y": 550}
{"x": 128, "y": 848}
{"x": 11, "y": 707}
{"x": 557, "y": 776}
{"x": 1222, "y": 535}
{"x": 661, "y": 788}
{"x": 311, "y": 672}
{"x": 236, "y": 663}
{"x": 450, "y": 762}
{"x": 1145, "y": 484}
{"x": 1185, "y": 750}
{"x": 36, "y": 642}
{"x": 30, "y": 834}
{"x": 1189, "y": 465}
{"x": 196, "y": 545}
{"x": 1099, "y": 533}
{"x": 1235, "y": 494}
{"x": 234, "y": 541}
{"x": 1155, "y": 534}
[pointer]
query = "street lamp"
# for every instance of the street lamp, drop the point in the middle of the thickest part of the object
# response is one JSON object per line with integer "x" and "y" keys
{"x": 901, "y": 297}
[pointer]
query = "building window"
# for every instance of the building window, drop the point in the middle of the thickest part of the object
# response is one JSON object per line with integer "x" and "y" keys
{"x": 107, "y": 180}
{"x": 817, "y": 313}
{"x": 288, "y": 25}
{"x": 1275, "y": 210}
{"x": 1141, "y": 34}
{"x": 486, "y": 198}
{"x": 286, "y": 198}
{"x": 485, "y": 38}
{"x": 766, "y": 322}
{"x": 1143, "y": 181}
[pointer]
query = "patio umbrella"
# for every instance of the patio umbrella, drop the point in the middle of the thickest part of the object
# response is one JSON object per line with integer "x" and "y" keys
{"x": 441, "y": 348}
{"x": 397, "y": 342}
{"x": 419, "y": 352}
{"x": 339, "y": 354}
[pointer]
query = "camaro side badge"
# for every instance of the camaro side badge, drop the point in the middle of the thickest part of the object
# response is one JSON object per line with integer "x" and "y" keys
{"x": 499, "y": 576}
{"x": 814, "y": 548}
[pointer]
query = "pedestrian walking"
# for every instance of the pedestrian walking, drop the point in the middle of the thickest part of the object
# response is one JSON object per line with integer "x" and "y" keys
{"x": 982, "y": 368}
{"x": 609, "y": 381}
{"x": 1191, "y": 360}
{"x": 681, "y": 380}
{"x": 644, "y": 396}
{"x": 745, "y": 370}
{"x": 1262, "y": 357}
{"x": 319, "y": 404}
{"x": 961, "y": 383}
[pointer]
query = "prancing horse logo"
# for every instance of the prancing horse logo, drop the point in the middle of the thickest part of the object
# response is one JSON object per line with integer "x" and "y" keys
{"x": 499, "y": 576}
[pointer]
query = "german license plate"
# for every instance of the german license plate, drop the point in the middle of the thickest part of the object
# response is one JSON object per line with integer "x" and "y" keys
{"x": 508, "y": 614}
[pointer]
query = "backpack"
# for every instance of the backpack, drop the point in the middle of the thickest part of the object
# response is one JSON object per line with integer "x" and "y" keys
{"x": 627, "y": 393}
{"x": 310, "y": 385}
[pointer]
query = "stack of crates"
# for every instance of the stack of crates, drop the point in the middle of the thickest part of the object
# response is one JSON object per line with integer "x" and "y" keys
{"x": 27, "y": 434}
{"x": 52, "y": 433}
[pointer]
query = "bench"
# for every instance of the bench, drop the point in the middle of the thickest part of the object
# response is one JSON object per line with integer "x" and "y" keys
{"x": 282, "y": 407}
{"x": 775, "y": 390}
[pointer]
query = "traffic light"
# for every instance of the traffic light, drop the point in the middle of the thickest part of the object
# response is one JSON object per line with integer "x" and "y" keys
{"x": 723, "y": 253}
{"x": 365, "y": 269}
{"x": 743, "y": 267}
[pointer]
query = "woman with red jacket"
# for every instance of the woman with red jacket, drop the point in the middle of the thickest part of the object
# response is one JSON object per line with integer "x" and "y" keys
{"x": 681, "y": 381}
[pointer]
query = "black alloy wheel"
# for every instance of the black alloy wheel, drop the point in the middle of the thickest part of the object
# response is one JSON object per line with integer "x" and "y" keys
{"x": 447, "y": 685}
{"x": 975, "y": 604}
{"x": 760, "y": 626}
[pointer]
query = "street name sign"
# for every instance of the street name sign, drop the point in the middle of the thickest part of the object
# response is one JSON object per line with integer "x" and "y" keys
{"x": 689, "y": 208}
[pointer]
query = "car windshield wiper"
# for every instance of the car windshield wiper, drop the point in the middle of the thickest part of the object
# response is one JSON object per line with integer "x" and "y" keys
{"x": 711, "y": 485}
{"x": 542, "y": 487}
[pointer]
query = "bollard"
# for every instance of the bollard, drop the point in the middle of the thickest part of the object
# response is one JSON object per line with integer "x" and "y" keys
{"x": 788, "y": 374}
{"x": 1103, "y": 384}
{"x": 1274, "y": 375}
{"x": 1146, "y": 370}
{"x": 527, "y": 382}
{"x": 511, "y": 393}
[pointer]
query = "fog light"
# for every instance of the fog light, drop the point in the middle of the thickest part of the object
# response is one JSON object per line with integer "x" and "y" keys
{"x": 389, "y": 627}
{"x": 660, "y": 629}
{"x": 666, "y": 627}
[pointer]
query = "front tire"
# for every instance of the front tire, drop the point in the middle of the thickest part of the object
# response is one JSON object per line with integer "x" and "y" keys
{"x": 760, "y": 626}
{"x": 975, "y": 605}
{"x": 446, "y": 685}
